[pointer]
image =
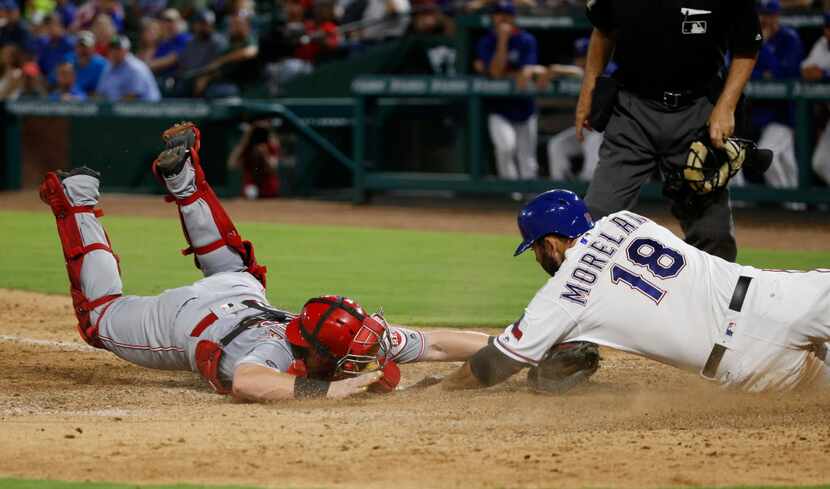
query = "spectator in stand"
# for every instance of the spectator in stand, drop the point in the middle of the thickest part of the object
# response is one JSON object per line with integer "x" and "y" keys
{"x": 427, "y": 18}
{"x": 227, "y": 9}
{"x": 92, "y": 9}
{"x": 66, "y": 10}
{"x": 89, "y": 65}
{"x": 12, "y": 28}
{"x": 33, "y": 83}
{"x": 349, "y": 11}
{"x": 816, "y": 68}
{"x": 35, "y": 10}
{"x": 188, "y": 8}
{"x": 204, "y": 47}
{"x": 257, "y": 155}
{"x": 779, "y": 59}
{"x": 147, "y": 8}
{"x": 320, "y": 36}
{"x": 55, "y": 48}
{"x": 127, "y": 77}
{"x": 66, "y": 90}
{"x": 11, "y": 80}
{"x": 104, "y": 30}
{"x": 487, "y": 5}
{"x": 507, "y": 52}
{"x": 148, "y": 40}
{"x": 174, "y": 39}
{"x": 385, "y": 19}
{"x": 288, "y": 50}
{"x": 236, "y": 66}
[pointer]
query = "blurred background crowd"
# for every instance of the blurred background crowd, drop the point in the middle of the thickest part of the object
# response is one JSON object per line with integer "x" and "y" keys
{"x": 149, "y": 50}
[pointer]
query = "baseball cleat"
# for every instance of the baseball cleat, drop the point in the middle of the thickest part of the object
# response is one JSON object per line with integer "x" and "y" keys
{"x": 170, "y": 161}
{"x": 179, "y": 140}
{"x": 182, "y": 134}
{"x": 51, "y": 189}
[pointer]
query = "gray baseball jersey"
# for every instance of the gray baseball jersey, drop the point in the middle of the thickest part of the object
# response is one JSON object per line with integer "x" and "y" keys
{"x": 162, "y": 331}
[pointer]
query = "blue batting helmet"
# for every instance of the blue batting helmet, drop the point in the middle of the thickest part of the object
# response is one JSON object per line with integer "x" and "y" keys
{"x": 556, "y": 211}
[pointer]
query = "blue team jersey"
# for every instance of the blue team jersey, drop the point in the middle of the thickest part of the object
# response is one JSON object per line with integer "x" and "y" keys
{"x": 521, "y": 51}
{"x": 779, "y": 59}
{"x": 87, "y": 77}
{"x": 77, "y": 94}
{"x": 130, "y": 79}
{"x": 174, "y": 45}
{"x": 52, "y": 52}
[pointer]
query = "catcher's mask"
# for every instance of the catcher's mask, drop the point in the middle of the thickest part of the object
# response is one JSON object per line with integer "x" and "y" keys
{"x": 339, "y": 331}
{"x": 708, "y": 169}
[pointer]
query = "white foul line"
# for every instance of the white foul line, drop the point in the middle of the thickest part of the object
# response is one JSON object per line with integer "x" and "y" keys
{"x": 58, "y": 345}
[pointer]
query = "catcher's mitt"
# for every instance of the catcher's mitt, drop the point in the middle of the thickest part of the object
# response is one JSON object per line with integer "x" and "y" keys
{"x": 564, "y": 366}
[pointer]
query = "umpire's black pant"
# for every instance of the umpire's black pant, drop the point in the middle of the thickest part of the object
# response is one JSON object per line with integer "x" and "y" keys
{"x": 640, "y": 134}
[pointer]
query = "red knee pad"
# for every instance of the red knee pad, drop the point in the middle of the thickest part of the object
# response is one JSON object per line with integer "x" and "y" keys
{"x": 74, "y": 250}
{"x": 228, "y": 235}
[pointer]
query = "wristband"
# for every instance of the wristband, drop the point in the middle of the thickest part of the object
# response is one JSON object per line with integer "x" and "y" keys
{"x": 305, "y": 388}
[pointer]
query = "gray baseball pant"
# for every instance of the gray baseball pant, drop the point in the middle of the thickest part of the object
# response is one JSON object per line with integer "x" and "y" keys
{"x": 640, "y": 134}
{"x": 154, "y": 331}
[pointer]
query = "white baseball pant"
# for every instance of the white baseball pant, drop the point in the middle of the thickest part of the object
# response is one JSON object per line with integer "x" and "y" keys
{"x": 821, "y": 155}
{"x": 564, "y": 146}
{"x": 515, "y": 147}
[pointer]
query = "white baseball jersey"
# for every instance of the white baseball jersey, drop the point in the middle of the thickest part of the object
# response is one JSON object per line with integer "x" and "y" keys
{"x": 632, "y": 285}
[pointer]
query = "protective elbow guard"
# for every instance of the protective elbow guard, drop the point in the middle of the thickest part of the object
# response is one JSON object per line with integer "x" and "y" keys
{"x": 490, "y": 366}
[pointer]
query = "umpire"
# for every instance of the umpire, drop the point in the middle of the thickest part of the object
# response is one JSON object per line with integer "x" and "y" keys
{"x": 670, "y": 83}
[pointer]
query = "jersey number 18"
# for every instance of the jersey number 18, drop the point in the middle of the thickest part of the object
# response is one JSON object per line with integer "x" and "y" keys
{"x": 663, "y": 263}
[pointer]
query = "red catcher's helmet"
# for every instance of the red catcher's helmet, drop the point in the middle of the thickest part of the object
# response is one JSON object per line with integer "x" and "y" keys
{"x": 339, "y": 329}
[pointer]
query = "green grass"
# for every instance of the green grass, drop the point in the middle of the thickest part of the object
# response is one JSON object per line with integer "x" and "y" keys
{"x": 420, "y": 278}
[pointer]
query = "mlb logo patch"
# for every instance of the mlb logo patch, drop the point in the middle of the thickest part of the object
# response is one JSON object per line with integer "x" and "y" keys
{"x": 691, "y": 27}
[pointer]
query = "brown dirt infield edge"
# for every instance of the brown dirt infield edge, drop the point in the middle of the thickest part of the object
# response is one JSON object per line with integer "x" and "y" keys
{"x": 69, "y": 412}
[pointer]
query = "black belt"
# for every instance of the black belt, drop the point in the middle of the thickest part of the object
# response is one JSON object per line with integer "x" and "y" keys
{"x": 673, "y": 99}
{"x": 735, "y": 304}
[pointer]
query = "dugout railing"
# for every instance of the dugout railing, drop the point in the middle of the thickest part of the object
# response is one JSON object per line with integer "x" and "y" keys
{"x": 121, "y": 139}
{"x": 125, "y": 135}
{"x": 370, "y": 90}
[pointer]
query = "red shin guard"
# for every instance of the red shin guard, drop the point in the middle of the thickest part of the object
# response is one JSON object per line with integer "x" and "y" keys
{"x": 228, "y": 235}
{"x": 51, "y": 192}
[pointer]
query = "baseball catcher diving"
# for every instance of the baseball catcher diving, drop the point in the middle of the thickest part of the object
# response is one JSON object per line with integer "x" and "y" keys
{"x": 222, "y": 325}
{"x": 628, "y": 283}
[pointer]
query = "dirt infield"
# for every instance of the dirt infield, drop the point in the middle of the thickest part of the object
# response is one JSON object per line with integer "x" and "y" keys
{"x": 70, "y": 412}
